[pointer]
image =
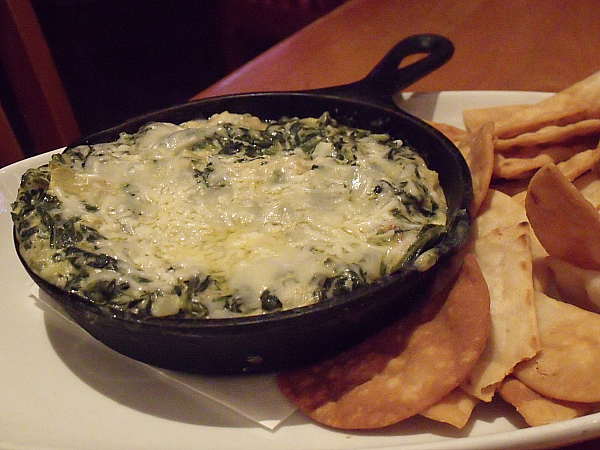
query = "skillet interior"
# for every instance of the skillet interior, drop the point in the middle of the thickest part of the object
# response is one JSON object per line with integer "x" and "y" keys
{"x": 299, "y": 336}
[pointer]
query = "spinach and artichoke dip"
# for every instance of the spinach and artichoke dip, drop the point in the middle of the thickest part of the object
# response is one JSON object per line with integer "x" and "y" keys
{"x": 227, "y": 216}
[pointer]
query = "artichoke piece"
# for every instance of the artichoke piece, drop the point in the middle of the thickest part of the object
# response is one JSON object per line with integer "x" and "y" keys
{"x": 343, "y": 283}
{"x": 269, "y": 302}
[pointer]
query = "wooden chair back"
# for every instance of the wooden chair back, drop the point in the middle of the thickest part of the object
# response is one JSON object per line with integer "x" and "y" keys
{"x": 41, "y": 102}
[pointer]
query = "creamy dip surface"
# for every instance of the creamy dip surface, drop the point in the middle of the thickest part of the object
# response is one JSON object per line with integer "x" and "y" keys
{"x": 227, "y": 216}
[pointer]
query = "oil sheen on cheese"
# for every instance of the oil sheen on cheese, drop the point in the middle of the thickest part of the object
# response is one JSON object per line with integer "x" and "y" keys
{"x": 226, "y": 216}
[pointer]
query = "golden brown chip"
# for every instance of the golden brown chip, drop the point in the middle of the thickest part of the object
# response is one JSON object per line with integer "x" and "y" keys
{"x": 537, "y": 409}
{"x": 453, "y": 133}
{"x": 523, "y": 162}
{"x": 589, "y": 185}
{"x": 566, "y": 224}
{"x": 478, "y": 150}
{"x": 510, "y": 187}
{"x": 498, "y": 210}
{"x": 550, "y": 135}
{"x": 581, "y": 169}
{"x": 520, "y": 199}
{"x": 454, "y": 409}
{"x": 542, "y": 278}
{"x": 578, "y": 102}
{"x": 403, "y": 369}
{"x": 505, "y": 259}
{"x": 580, "y": 287}
{"x": 502, "y": 211}
{"x": 566, "y": 367}
{"x": 579, "y": 164}
{"x": 474, "y": 119}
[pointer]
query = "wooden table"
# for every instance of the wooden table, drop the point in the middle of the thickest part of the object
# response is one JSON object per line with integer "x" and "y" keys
{"x": 528, "y": 45}
{"x": 539, "y": 45}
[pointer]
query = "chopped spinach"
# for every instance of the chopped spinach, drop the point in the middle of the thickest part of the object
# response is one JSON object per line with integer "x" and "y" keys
{"x": 73, "y": 247}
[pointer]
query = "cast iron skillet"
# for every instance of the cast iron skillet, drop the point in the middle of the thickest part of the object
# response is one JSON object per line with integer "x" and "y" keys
{"x": 284, "y": 339}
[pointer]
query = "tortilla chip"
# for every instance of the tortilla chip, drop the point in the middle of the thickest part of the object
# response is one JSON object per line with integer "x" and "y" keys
{"x": 542, "y": 277}
{"x": 498, "y": 210}
{"x": 478, "y": 150}
{"x": 454, "y": 409}
{"x": 589, "y": 185}
{"x": 523, "y": 162}
{"x": 566, "y": 367}
{"x": 579, "y": 164}
{"x": 579, "y": 101}
{"x": 566, "y": 224}
{"x": 580, "y": 169}
{"x": 506, "y": 262}
{"x": 539, "y": 410}
{"x": 580, "y": 287}
{"x": 520, "y": 198}
{"x": 404, "y": 368}
{"x": 453, "y": 133}
{"x": 550, "y": 135}
{"x": 474, "y": 119}
{"x": 501, "y": 211}
{"x": 510, "y": 187}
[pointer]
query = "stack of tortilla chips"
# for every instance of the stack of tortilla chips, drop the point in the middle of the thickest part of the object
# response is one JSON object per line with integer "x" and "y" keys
{"x": 516, "y": 315}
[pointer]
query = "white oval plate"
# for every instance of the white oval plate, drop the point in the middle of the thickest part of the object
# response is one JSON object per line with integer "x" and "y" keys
{"x": 58, "y": 390}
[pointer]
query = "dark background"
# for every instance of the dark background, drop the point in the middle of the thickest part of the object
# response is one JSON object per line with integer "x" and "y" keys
{"x": 121, "y": 58}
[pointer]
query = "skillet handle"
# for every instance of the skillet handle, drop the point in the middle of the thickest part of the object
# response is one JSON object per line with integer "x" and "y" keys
{"x": 387, "y": 77}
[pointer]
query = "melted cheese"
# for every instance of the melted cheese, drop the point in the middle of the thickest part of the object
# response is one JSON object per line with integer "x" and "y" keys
{"x": 170, "y": 208}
